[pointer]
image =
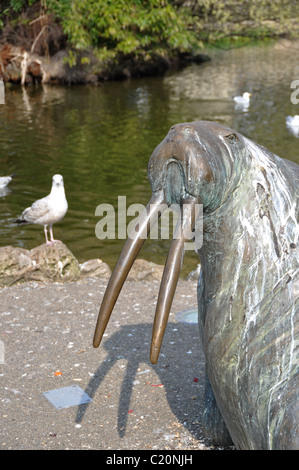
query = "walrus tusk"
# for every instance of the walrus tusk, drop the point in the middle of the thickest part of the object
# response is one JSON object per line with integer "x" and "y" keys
{"x": 128, "y": 255}
{"x": 171, "y": 273}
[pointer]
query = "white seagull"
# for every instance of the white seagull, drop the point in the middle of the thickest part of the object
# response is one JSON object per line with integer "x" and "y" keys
{"x": 5, "y": 180}
{"x": 48, "y": 210}
{"x": 292, "y": 123}
{"x": 244, "y": 99}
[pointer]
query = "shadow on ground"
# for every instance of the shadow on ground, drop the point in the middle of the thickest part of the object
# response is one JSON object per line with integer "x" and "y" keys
{"x": 180, "y": 369}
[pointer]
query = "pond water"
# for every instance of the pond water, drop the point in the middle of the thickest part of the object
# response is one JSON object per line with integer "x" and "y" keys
{"x": 101, "y": 137}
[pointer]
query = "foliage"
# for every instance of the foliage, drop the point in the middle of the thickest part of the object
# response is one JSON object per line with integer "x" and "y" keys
{"x": 217, "y": 19}
{"x": 124, "y": 27}
{"x": 10, "y": 7}
{"x": 118, "y": 27}
{"x": 142, "y": 28}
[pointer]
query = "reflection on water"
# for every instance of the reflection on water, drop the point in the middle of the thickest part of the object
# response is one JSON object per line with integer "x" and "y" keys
{"x": 100, "y": 138}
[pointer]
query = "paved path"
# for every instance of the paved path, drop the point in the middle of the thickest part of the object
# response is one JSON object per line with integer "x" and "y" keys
{"x": 46, "y": 332}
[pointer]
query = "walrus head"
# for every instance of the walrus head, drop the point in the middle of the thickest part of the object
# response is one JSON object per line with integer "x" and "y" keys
{"x": 195, "y": 164}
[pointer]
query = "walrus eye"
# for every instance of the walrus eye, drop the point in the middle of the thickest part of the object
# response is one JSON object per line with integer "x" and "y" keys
{"x": 232, "y": 138}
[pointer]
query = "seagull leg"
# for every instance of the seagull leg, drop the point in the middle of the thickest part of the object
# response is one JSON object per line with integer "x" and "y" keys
{"x": 46, "y": 235}
{"x": 51, "y": 235}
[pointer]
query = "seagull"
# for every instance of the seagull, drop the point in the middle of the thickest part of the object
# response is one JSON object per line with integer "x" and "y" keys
{"x": 244, "y": 99}
{"x": 48, "y": 210}
{"x": 292, "y": 123}
{"x": 5, "y": 180}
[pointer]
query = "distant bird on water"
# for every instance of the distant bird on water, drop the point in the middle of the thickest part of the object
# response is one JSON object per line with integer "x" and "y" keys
{"x": 244, "y": 99}
{"x": 48, "y": 210}
{"x": 5, "y": 180}
{"x": 292, "y": 123}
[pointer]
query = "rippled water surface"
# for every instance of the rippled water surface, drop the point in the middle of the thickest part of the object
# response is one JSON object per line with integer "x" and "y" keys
{"x": 100, "y": 138}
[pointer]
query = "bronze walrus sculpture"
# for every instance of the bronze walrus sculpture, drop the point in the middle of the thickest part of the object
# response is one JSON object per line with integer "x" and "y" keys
{"x": 248, "y": 291}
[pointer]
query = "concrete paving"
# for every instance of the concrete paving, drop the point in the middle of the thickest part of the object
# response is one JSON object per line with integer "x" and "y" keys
{"x": 46, "y": 333}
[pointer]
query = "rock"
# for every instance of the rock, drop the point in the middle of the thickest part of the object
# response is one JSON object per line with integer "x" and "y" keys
{"x": 95, "y": 268}
{"x": 54, "y": 263}
{"x": 143, "y": 270}
{"x": 15, "y": 262}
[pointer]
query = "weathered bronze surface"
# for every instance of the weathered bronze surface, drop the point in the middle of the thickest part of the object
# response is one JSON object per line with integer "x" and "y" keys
{"x": 248, "y": 291}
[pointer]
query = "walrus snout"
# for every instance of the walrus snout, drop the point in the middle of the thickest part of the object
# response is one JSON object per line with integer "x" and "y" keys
{"x": 191, "y": 151}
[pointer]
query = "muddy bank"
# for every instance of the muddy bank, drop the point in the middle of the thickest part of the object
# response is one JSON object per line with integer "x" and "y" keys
{"x": 21, "y": 66}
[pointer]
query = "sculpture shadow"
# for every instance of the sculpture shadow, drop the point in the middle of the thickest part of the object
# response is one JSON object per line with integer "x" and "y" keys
{"x": 180, "y": 369}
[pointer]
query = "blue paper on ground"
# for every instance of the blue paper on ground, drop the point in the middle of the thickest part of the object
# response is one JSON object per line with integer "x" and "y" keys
{"x": 187, "y": 316}
{"x": 66, "y": 397}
